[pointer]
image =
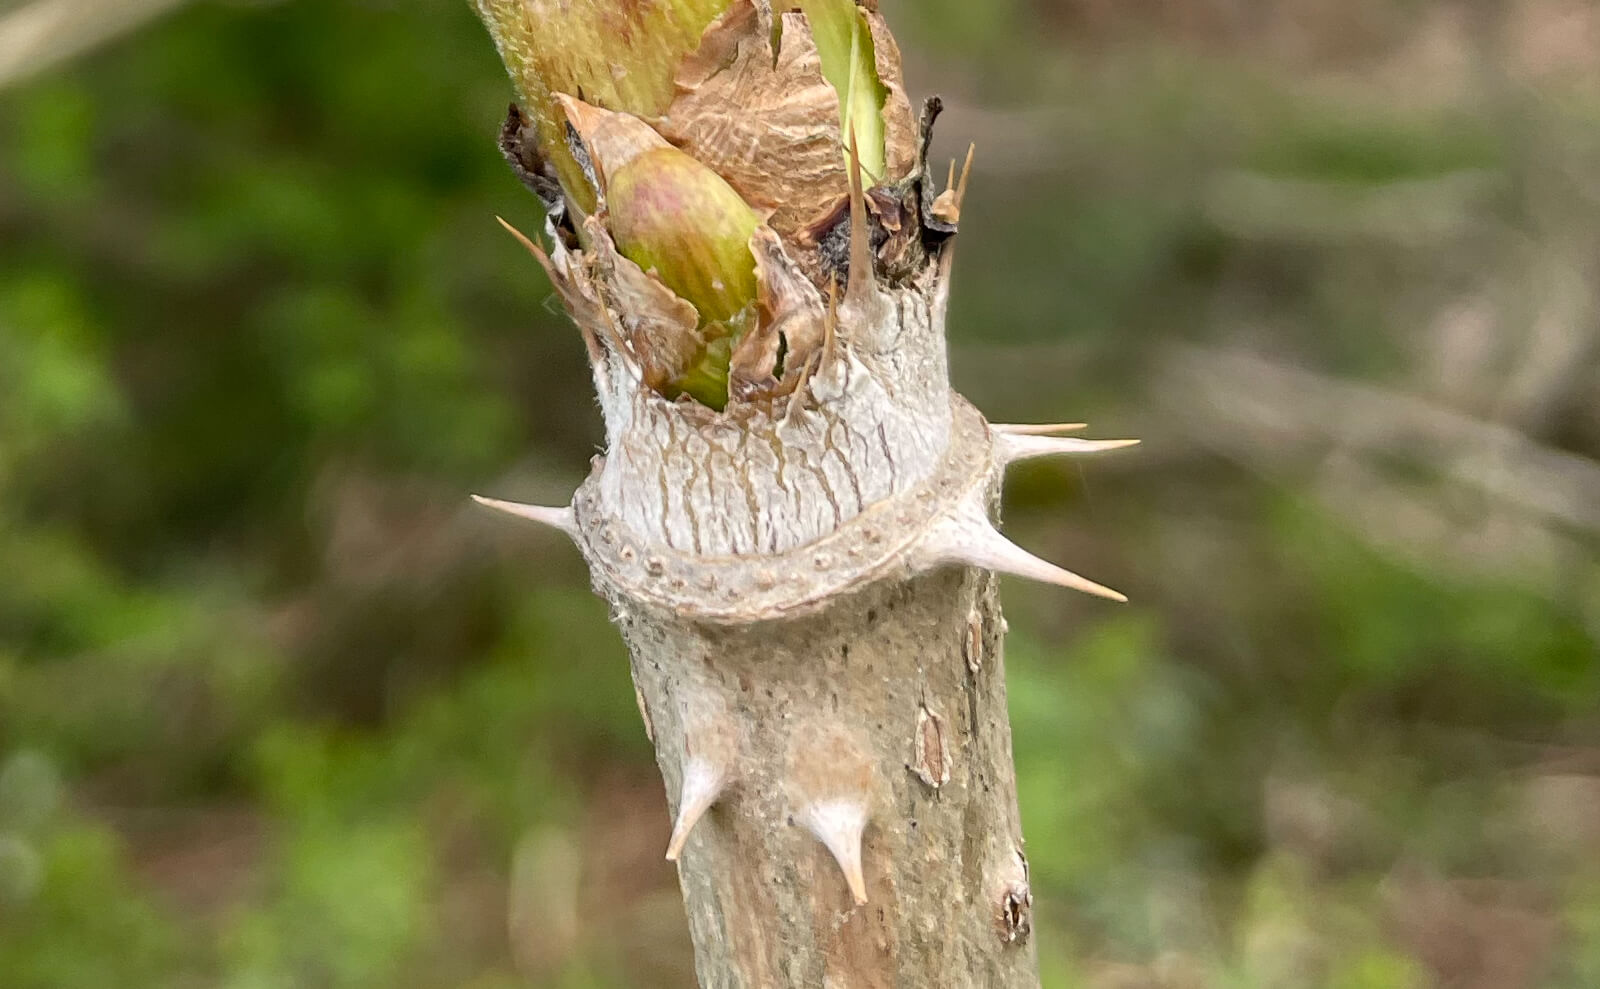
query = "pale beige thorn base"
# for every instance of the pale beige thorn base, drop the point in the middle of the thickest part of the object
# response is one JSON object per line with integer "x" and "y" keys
{"x": 839, "y": 824}
{"x": 1037, "y": 428}
{"x": 703, "y": 783}
{"x": 1012, "y": 447}
{"x": 967, "y": 537}
{"x": 556, "y": 518}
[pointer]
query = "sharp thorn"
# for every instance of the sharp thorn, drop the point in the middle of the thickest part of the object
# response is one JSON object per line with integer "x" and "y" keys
{"x": 830, "y": 323}
{"x": 533, "y": 248}
{"x": 994, "y": 551}
{"x": 1012, "y": 447}
{"x": 556, "y": 518}
{"x": 947, "y": 256}
{"x": 966, "y": 173}
{"x": 703, "y": 783}
{"x": 797, "y": 397}
{"x": 861, "y": 274}
{"x": 527, "y": 242}
{"x": 1037, "y": 429}
{"x": 970, "y": 539}
{"x": 839, "y": 824}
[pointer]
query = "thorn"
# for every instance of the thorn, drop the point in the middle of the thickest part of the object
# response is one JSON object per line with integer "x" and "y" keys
{"x": 944, "y": 204}
{"x": 966, "y": 173}
{"x": 797, "y": 396}
{"x": 533, "y": 248}
{"x": 970, "y": 539}
{"x": 995, "y": 552}
{"x": 861, "y": 275}
{"x": 1037, "y": 429}
{"x": 839, "y": 824}
{"x": 559, "y": 282}
{"x": 830, "y": 323}
{"x": 952, "y": 208}
{"x": 703, "y": 783}
{"x": 556, "y": 518}
{"x": 830, "y": 780}
{"x": 1012, "y": 447}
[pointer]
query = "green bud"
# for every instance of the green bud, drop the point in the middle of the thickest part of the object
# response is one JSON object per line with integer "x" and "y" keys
{"x": 674, "y": 216}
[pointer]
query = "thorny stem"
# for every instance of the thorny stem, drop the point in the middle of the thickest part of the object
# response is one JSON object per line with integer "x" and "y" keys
{"x": 801, "y": 565}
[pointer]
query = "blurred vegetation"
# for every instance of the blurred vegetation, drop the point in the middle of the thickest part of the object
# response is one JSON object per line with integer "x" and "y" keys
{"x": 278, "y": 710}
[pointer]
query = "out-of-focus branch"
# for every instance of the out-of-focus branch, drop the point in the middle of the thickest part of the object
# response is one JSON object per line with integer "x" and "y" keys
{"x": 1536, "y": 505}
{"x": 41, "y": 34}
{"x": 1416, "y": 212}
{"x": 1278, "y": 409}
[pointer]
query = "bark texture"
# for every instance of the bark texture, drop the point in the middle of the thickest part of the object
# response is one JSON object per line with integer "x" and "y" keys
{"x": 820, "y": 672}
{"x": 806, "y": 661}
{"x": 867, "y": 708}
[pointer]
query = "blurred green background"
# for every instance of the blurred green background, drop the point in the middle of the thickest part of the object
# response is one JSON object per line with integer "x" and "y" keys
{"x": 278, "y": 709}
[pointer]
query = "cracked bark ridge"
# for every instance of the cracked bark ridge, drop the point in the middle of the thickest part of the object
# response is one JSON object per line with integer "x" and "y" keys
{"x": 805, "y": 578}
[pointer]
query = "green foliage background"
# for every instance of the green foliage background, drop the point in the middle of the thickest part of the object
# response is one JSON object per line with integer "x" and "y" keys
{"x": 277, "y": 709}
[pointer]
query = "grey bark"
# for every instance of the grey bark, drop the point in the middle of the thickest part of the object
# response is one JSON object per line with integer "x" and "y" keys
{"x": 871, "y": 698}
